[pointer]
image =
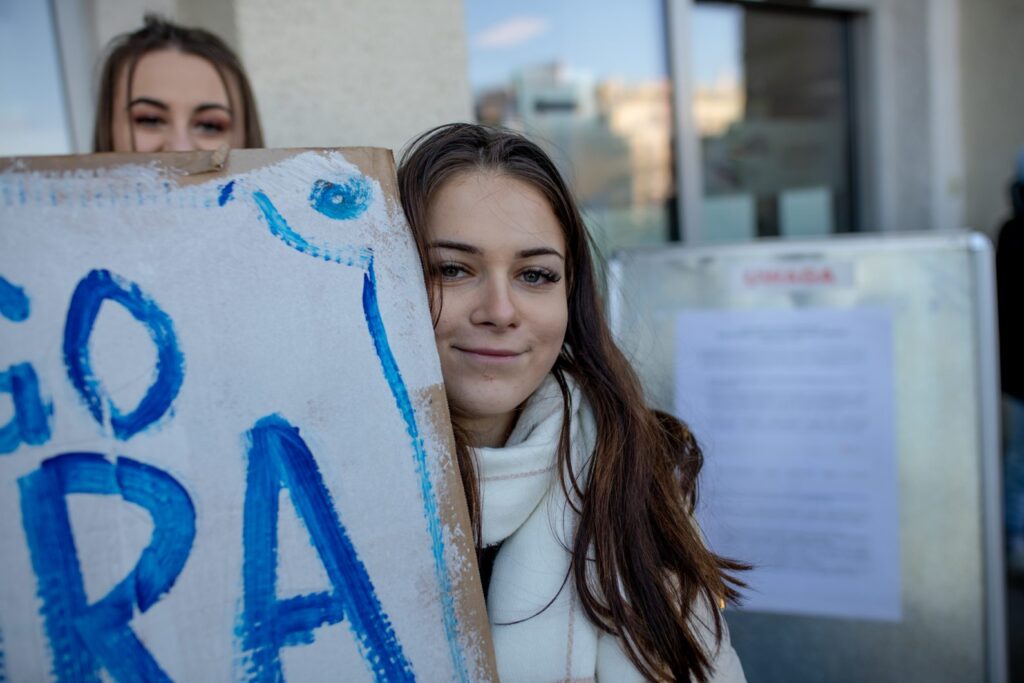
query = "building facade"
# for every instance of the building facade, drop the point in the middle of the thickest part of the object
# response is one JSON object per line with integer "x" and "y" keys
{"x": 674, "y": 119}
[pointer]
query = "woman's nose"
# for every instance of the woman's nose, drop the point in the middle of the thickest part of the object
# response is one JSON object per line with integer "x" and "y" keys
{"x": 496, "y": 305}
{"x": 179, "y": 140}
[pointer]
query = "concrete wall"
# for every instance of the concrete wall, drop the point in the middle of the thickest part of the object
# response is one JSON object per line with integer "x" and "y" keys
{"x": 992, "y": 76}
{"x": 901, "y": 100}
{"x": 367, "y": 72}
{"x": 911, "y": 151}
{"x": 217, "y": 16}
{"x": 113, "y": 17}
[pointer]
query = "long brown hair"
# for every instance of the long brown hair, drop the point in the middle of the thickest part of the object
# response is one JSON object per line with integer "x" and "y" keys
{"x": 639, "y": 564}
{"x": 157, "y": 33}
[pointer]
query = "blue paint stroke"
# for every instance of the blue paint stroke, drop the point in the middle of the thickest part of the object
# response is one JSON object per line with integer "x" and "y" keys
{"x": 375, "y": 324}
{"x": 30, "y": 423}
{"x": 347, "y": 255}
{"x": 13, "y": 302}
{"x": 279, "y": 458}
{"x": 83, "y": 637}
{"x": 95, "y": 288}
{"x": 93, "y": 193}
{"x": 226, "y": 193}
{"x": 3, "y": 670}
{"x": 343, "y": 201}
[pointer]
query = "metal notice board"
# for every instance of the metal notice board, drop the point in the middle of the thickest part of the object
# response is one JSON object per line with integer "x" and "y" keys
{"x": 845, "y": 393}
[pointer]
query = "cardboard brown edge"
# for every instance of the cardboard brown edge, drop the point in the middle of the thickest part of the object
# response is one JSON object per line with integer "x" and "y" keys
{"x": 188, "y": 168}
{"x": 454, "y": 509}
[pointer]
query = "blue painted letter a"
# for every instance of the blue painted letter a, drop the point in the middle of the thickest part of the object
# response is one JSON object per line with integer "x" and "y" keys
{"x": 279, "y": 458}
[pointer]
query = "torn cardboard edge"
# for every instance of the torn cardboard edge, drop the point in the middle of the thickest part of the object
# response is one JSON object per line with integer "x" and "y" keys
{"x": 191, "y": 168}
{"x": 454, "y": 508}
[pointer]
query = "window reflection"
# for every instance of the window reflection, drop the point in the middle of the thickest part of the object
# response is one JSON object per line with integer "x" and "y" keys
{"x": 771, "y": 107}
{"x": 588, "y": 81}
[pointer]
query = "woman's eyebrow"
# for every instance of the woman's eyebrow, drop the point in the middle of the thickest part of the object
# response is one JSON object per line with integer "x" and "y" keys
{"x": 457, "y": 246}
{"x": 206, "y": 106}
{"x": 539, "y": 251}
{"x": 211, "y": 105}
{"x": 150, "y": 101}
{"x": 470, "y": 249}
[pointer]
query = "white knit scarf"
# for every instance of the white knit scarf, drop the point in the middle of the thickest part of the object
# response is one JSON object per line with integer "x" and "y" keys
{"x": 540, "y": 631}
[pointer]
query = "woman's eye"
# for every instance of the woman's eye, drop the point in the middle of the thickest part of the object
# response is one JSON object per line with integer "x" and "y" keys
{"x": 539, "y": 276}
{"x": 450, "y": 271}
{"x": 147, "y": 121}
{"x": 211, "y": 127}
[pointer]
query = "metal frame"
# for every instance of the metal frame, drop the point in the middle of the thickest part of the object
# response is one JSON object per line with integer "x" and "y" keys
{"x": 991, "y": 431}
{"x": 689, "y": 177}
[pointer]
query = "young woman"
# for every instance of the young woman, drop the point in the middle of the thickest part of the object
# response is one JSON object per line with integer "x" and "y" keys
{"x": 169, "y": 88}
{"x": 582, "y": 497}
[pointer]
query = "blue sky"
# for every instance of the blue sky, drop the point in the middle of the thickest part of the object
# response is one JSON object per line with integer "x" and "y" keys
{"x": 604, "y": 37}
{"x": 716, "y": 37}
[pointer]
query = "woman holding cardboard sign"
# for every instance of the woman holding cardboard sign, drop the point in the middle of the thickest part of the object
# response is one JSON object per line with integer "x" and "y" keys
{"x": 168, "y": 88}
{"x": 582, "y": 497}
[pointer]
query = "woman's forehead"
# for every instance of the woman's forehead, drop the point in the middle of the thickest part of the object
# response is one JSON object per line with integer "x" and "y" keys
{"x": 172, "y": 76}
{"x": 493, "y": 209}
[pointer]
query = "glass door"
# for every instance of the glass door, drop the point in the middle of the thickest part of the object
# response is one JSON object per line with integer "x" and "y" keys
{"x": 771, "y": 102}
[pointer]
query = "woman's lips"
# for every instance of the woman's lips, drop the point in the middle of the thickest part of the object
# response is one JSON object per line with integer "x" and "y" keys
{"x": 489, "y": 355}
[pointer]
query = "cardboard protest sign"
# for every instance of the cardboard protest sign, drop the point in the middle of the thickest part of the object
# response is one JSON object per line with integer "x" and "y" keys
{"x": 224, "y": 445}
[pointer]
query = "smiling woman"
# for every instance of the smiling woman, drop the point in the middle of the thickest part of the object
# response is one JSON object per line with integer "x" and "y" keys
{"x": 581, "y": 496}
{"x": 170, "y": 88}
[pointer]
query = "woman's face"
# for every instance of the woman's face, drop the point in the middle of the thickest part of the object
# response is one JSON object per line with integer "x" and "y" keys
{"x": 177, "y": 103}
{"x": 498, "y": 252}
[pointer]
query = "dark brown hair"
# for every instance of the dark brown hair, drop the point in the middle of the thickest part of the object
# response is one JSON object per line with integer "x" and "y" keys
{"x": 636, "y": 538}
{"x": 125, "y": 50}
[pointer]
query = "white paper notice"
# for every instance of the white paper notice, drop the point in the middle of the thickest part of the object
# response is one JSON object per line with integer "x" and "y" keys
{"x": 794, "y": 410}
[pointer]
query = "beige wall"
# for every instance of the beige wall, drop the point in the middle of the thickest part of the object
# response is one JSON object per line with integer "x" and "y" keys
{"x": 112, "y": 17}
{"x": 217, "y": 16}
{"x": 354, "y": 72}
{"x": 992, "y": 76}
